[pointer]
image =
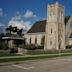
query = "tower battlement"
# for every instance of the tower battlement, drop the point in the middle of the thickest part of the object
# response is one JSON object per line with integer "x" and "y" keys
{"x": 55, "y": 27}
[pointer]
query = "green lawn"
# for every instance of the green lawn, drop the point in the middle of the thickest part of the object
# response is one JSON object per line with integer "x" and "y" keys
{"x": 49, "y": 52}
{"x": 31, "y": 57}
{"x": 5, "y": 54}
{"x": 9, "y": 57}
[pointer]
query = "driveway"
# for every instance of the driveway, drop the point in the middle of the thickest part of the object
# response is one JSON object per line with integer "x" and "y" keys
{"x": 61, "y": 64}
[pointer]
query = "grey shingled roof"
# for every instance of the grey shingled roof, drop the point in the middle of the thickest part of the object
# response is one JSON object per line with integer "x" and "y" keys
{"x": 39, "y": 26}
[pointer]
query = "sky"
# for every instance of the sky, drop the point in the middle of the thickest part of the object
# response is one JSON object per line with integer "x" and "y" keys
{"x": 24, "y": 13}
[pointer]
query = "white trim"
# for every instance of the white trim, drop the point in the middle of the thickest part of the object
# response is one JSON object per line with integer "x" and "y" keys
{"x": 11, "y": 38}
{"x": 35, "y": 33}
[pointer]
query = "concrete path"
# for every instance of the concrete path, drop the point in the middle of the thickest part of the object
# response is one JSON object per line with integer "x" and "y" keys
{"x": 62, "y": 64}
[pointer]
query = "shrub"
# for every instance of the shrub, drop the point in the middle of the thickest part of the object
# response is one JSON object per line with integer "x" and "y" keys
{"x": 68, "y": 46}
{"x": 13, "y": 50}
{"x": 40, "y": 47}
{"x": 3, "y": 46}
{"x": 30, "y": 47}
{"x": 33, "y": 47}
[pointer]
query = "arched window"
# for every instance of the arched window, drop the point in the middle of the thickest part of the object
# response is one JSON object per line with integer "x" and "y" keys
{"x": 51, "y": 30}
{"x": 35, "y": 40}
{"x": 30, "y": 40}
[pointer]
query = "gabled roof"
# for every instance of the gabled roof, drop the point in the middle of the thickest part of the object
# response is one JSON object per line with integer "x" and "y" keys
{"x": 39, "y": 26}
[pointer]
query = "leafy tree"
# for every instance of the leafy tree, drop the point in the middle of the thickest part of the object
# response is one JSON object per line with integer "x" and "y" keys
{"x": 15, "y": 29}
{"x": 20, "y": 32}
{"x": 3, "y": 45}
{"x": 9, "y": 29}
{"x": 2, "y": 35}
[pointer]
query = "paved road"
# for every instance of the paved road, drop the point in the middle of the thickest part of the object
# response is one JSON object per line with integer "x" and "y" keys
{"x": 62, "y": 64}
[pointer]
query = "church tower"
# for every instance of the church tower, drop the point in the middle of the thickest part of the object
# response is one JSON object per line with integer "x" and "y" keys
{"x": 55, "y": 27}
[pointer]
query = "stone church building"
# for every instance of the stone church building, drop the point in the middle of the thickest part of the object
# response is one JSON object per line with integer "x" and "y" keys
{"x": 57, "y": 29}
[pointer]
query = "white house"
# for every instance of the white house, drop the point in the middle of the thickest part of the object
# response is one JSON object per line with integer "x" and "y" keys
{"x": 36, "y": 33}
{"x": 57, "y": 28}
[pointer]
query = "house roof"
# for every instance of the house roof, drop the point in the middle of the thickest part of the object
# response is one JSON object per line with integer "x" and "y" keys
{"x": 39, "y": 26}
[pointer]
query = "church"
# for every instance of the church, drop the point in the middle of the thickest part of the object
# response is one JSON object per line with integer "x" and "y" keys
{"x": 57, "y": 29}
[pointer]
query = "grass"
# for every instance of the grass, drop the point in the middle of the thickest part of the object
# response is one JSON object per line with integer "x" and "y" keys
{"x": 31, "y": 52}
{"x": 5, "y": 54}
{"x": 32, "y": 57}
{"x": 7, "y": 57}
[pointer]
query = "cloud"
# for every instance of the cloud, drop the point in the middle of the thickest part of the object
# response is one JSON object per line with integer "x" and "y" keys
{"x": 25, "y": 25}
{"x": 44, "y": 18}
{"x": 17, "y": 17}
{"x": 29, "y": 14}
{"x": 2, "y": 28}
{"x": 1, "y": 12}
{"x": 18, "y": 20}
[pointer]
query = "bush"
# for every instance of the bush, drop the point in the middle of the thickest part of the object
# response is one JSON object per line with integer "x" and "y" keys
{"x": 30, "y": 47}
{"x": 68, "y": 46}
{"x": 13, "y": 50}
{"x": 33, "y": 47}
{"x": 40, "y": 47}
{"x": 3, "y": 46}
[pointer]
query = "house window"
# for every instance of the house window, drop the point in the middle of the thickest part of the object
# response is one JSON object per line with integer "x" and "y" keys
{"x": 51, "y": 30}
{"x": 30, "y": 40}
{"x": 35, "y": 40}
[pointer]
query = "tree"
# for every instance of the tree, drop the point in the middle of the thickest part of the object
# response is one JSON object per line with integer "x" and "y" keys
{"x": 15, "y": 29}
{"x": 9, "y": 29}
{"x": 20, "y": 32}
{"x": 3, "y": 45}
{"x": 2, "y": 35}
